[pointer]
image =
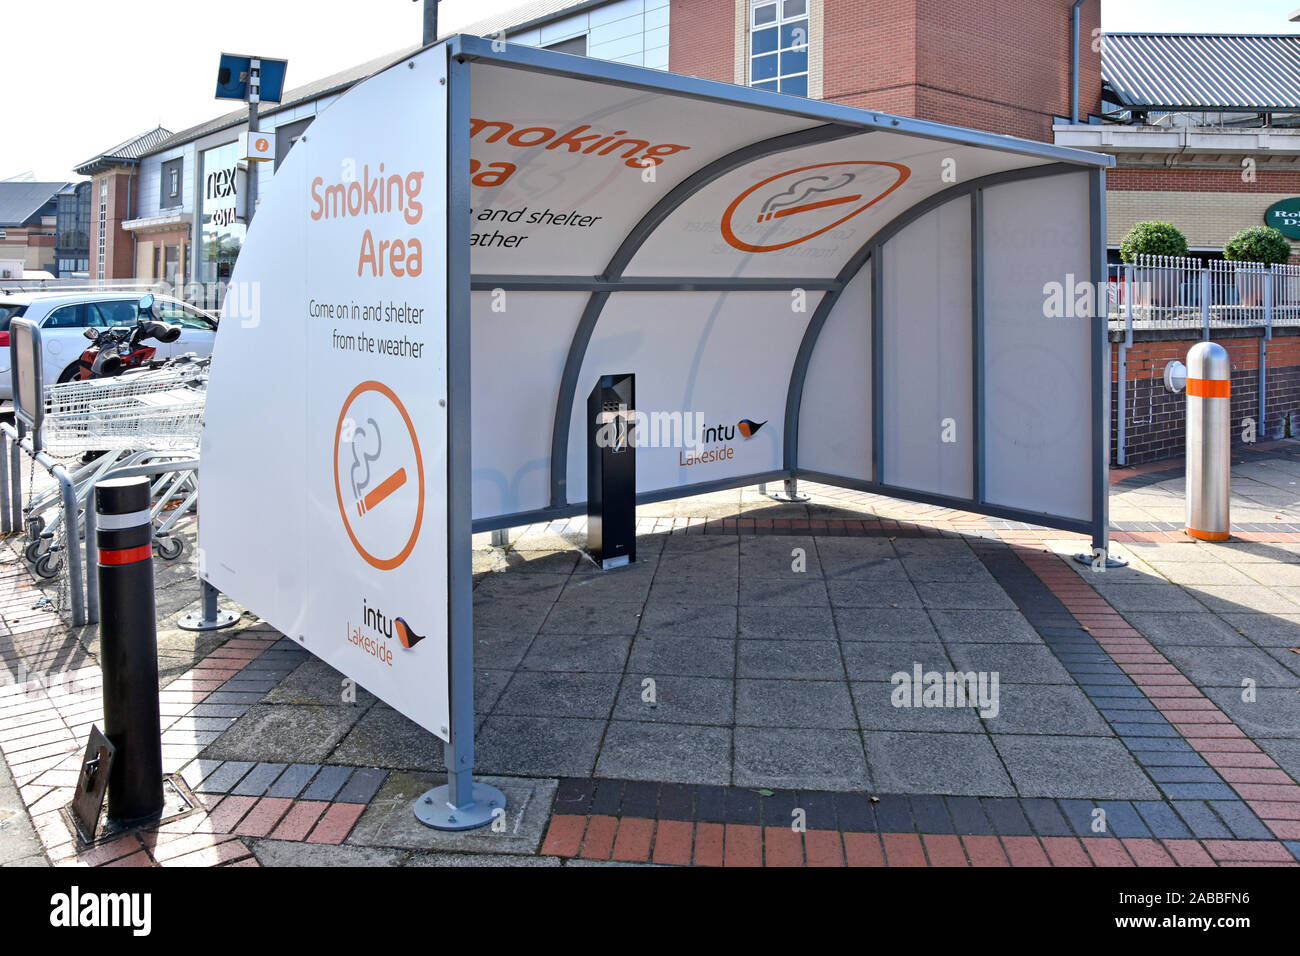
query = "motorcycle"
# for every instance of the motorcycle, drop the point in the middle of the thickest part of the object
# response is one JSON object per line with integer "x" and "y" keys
{"x": 121, "y": 348}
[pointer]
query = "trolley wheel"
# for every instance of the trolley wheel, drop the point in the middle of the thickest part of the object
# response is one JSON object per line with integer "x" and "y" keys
{"x": 48, "y": 564}
{"x": 169, "y": 548}
{"x": 69, "y": 373}
{"x": 33, "y": 550}
{"x": 35, "y": 525}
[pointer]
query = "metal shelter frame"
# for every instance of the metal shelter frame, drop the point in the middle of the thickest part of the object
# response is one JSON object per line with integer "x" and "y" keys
{"x": 839, "y": 122}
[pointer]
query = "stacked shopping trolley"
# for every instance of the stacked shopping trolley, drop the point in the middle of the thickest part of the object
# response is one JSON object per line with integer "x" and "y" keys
{"x": 150, "y": 418}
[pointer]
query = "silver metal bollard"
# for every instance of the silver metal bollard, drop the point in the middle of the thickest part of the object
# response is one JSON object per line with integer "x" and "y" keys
{"x": 1209, "y": 441}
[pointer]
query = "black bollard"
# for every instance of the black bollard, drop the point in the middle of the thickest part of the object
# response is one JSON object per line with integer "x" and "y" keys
{"x": 129, "y": 647}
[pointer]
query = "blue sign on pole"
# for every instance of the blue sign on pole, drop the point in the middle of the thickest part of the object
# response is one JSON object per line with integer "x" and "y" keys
{"x": 232, "y": 78}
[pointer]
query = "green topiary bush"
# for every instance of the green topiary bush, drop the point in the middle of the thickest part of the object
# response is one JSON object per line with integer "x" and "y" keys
{"x": 1153, "y": 239}
{"x": 1258, "y": 244}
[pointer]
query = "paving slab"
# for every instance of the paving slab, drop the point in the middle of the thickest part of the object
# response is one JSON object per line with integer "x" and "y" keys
{"x": 284, "y": 733}
{"x": 385, "y": 738}
{"x": 1059, "y": 766}
{"x": 908, "y": 762}
{"x": 390, "y": 821}
{"x": 812, "y": 759}
{"x": 676, "y": 753}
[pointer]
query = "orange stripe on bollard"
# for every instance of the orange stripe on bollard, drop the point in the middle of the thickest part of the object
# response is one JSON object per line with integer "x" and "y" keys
{"x": 1208, "y": 535}
{"x": 1209, "y": 387}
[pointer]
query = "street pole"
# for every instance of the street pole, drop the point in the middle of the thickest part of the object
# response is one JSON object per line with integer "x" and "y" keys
{"x": 254, "y": 97}
{"x": 430, "y": 22}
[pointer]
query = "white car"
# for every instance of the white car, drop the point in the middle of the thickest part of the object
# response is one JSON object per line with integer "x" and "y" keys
{"x": 63, "y": 318}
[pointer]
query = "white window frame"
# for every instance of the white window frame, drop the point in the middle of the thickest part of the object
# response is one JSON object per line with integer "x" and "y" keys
{"x": 781, "y": 20}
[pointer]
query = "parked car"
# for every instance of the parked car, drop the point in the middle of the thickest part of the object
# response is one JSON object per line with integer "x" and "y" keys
{"x": 63, "y": 318}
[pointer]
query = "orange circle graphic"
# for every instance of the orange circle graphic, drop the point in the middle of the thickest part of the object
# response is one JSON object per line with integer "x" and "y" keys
{"x": 262, "y": 144}
{"x": 732, "y": 239}
{"x": 383, "y": 564}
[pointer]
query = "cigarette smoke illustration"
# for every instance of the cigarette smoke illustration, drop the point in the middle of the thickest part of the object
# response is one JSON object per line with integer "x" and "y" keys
{"x": 792, "y": 201}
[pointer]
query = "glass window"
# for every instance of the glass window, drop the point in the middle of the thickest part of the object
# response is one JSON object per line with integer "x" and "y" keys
{"x": 70, "y": 317}
{"x": 171, "y": 186}
{"x": 779, "y": 50}
{"x": 8, "y": 312}
{"x": 763, "y": 41}
{"x": 177, "y": 313}
{"x": 764, "y": 67}
{"x": 221, "y": 211}
{"x": 115, "y": 312}
{"x": 795, "y": 85}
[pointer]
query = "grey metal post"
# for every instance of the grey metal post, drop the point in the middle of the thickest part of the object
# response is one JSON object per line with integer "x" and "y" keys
{"x": 6, "y": 517}
{"x": 254, "y": 97}
{"x": 71, "y": 523}
{"x": 460, "y": 804}
{"x": 16, "y": 482}
{"x": 430, "y": 33}
{"x": 1206, "y": 291}
{"x": 501, "y": 538}
{"x": 979, "y": 469}
{"x": 1209, "y": 441}
{"x": 209, "y": 617}
{"x": 1263, "y": 387}
{"x": 1100, "y": 557}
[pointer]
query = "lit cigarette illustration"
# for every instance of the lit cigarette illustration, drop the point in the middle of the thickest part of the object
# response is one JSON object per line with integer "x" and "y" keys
{"x": 791, "y": 202}
{"x": 382, "y": 491}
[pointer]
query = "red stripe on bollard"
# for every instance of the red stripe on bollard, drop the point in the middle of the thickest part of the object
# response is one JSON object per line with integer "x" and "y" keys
{"x": 125, "y": 555}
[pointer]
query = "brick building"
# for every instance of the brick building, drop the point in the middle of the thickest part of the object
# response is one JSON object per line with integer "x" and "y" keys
{"x": 114, "y": 184}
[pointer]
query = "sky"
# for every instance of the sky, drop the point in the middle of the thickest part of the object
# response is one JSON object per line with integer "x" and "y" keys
{"x": 87, "y": 75}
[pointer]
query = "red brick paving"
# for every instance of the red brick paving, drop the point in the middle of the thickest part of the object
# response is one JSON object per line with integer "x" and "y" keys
{"x": 600, "y": 838}
{"x": 742, "y": 845}
{"x": 336, "y": 823}
{"x": 634, "y": 838}
{"x": 297, "y": 823}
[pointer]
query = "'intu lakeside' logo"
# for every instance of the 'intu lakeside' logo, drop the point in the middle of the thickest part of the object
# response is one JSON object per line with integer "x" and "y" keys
{"x": 720, "y": 436}
{"x": 701, "y": 443}
{"x": 376, "y": 632}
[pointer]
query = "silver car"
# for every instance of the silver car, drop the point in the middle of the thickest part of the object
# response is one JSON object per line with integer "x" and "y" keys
{"x": 63, "y": 318}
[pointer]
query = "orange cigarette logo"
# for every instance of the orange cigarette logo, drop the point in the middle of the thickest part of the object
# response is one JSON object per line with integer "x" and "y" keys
{"x": 808, "y": 207}
{"x": 382, "y": 491}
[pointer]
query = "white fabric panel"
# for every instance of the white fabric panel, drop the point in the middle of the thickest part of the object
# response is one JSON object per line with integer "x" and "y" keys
{"x": 1038, "y": 369}
{"x": 806, "y": 211}
{"x": 341, "y": 453}
{"x": 726, "y": 356}
{"x": 518, "y": 350}
{"x": 835, "y": 414}
{"x": 928, "y": 416}
{"x": 518, "y": 190}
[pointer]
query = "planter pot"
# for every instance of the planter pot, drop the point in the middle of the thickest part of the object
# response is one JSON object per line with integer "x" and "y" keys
{"x": 1157, "y": 288}
{"x": 1250, "y": 288}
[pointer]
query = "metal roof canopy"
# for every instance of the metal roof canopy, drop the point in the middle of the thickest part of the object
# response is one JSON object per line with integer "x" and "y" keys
{"x": 1203, "y": 71}
{"x": 869, "y": 290}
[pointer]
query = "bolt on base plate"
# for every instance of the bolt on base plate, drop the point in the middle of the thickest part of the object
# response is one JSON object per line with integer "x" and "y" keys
{"x": 194, "y": 621}
{"x": 1089, "y": 559}
{"x": 434, "y": 810}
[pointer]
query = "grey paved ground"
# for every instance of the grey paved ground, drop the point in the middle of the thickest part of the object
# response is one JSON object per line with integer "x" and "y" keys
{"x": 766, "y": 661}
{"x": 19, "y": 845}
